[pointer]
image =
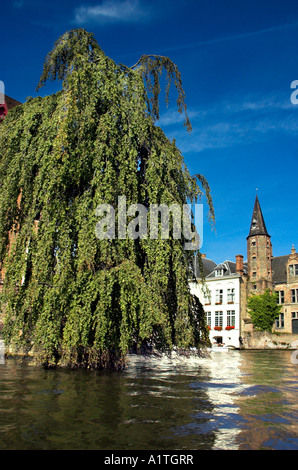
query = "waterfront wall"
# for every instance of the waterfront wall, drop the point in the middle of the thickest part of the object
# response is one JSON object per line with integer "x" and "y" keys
{"x": 265, "y": 340}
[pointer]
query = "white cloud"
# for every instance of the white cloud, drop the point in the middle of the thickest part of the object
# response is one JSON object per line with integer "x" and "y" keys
{"x": 239, "y": 120}
{"x": 111, "y": 11}
{"x": 256, "y": 103}
{"x": 172, "y": 117}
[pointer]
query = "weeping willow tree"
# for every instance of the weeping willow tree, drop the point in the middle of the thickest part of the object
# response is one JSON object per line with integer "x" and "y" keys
{"x": 68, "y": 297}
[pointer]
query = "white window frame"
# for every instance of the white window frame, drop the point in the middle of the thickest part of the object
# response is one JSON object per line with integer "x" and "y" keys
{"x": 219, "y": 318}
{"x": 231, "y": 294}
{"x": 294, "y": 296}
{"x": 219, "y": 296}
{"x": 208, "y": 319}
{"x": 231, "y": 318}
{"x": 219, "y": 272}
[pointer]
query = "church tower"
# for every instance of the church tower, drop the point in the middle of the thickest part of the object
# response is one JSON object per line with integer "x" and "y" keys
{"x": 259, "y": 253}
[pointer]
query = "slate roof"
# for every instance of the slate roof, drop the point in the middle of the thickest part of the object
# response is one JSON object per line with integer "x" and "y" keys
{"x": 10, "y": 102}
{"x": 257, "y": 226}
{"x": 229, "y": 268}
{"x": 208, "y": 266}
{"x": 279, "y": 271}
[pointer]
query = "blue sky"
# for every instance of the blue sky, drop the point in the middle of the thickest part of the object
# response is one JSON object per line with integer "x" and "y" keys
{"x": 237, "y": 60}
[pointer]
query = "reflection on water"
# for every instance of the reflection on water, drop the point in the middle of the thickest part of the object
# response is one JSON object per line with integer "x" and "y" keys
{"x": 269, "y": 401}
{"x": 232, "y": 400}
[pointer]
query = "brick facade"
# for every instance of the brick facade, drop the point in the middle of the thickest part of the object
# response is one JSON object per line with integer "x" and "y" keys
{"x": 261, "y": 271}
{"x": 259, "y": 253}
{"x": 288, "y": 296}
{"x": 276, "y": 273}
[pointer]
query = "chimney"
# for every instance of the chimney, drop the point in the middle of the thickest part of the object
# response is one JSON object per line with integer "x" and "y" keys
{"x": 239, "y": 264}
{"x": 203, "y": 255}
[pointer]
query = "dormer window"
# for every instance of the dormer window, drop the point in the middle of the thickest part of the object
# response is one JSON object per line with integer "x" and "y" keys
{"x": 219, "y": 272}
{"x": 293, "y": 270}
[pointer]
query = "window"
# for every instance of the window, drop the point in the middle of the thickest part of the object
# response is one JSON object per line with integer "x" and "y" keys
{"x": 219, "y": 296}
{"x": 281, "y": 297}
{"x": 254, "y": 274}
{"x": 294, "y": 314}
{"x": 279, "y": 322}
{"x": 293, "y": 269}
{"x": 218, "y": 319}
{"x": 294, "y": 296}
{"x": 208, "y": 317}
{"x": 253, "y": 243}
{"x": 231, "y": 318}
{"x": 231, "y": 295}
{"x": 219, "y": 272}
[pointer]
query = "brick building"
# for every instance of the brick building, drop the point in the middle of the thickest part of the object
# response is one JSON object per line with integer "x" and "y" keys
{"x": 259, "y": 253}
{"x": 285, "y": 270}
{"x": 8, "y": 104}
{"x": 279, "y": 273}
{"x": 261, "y": 270}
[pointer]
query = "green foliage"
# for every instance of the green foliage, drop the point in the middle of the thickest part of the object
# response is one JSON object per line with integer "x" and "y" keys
{"x": 264, "y": 310}
{"x": 84, "y": 301}
{"x": 151, "y": 67}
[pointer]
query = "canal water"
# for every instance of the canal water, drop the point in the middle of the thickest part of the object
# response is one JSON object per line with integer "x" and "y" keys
{"x": 235, "y": 400}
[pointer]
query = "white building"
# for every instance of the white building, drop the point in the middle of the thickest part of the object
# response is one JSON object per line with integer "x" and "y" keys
{"x": 221, "y": 296}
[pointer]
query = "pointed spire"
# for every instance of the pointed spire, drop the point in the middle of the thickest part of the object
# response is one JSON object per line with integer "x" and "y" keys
{"x": 257, "y": 226}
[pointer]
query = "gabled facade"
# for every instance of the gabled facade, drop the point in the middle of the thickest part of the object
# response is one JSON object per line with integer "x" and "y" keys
{"x": 227, "y": 286}
{"x": 278, "y": 273}
{"x": 222, "y": 296}
{"x": 285, "y": 283}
